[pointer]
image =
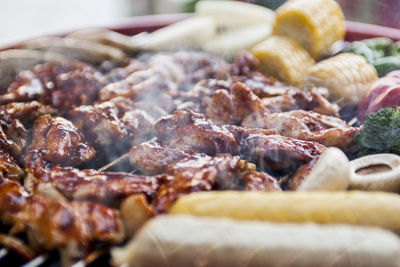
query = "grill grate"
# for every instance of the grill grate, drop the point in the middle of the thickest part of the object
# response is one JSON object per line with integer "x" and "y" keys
{"x": 98, "y": 258}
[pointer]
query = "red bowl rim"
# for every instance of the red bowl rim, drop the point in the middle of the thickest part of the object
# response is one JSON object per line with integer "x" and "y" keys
{"x": 135, "y": 25}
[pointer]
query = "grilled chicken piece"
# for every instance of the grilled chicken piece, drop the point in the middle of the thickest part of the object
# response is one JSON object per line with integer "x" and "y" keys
{"x": 293, "y": 180}
{"x": 103, "y": 125}
{"x": 200, "y": 172}
{"x": 275, "y": 152}
{"x": 9, "y": 167}
{"x": 58, "y": 84}
{"x": 139, "y": 126}
{"x": 233, "y": 107}
{"x": 151, "y": 158}
{"x": 57, "y": 140}
{"x": 13, "y": 134}
{"x": 25, "y": 112}
{"x": 278, "y": 97}
{"x": 71, "y": 227}
{"x": 105, "y": 187}
{"x": 141, "y": 84}
{"x": 187, "y": 130}
{"x": 100, "y": 123}
{"x": 307, "y": 125}
{"x": 165, "y": 73}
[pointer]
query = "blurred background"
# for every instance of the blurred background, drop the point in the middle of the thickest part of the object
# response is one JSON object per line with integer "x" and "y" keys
{"x": 22, "y": 19}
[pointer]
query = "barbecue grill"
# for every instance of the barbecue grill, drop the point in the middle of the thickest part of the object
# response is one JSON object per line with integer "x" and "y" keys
{"x": 100, "y": 256}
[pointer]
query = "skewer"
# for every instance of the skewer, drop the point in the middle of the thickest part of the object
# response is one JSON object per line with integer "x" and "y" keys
{"x": 91, "y": 257}
{"x": 112, "y": 163}
{"x": 3, "y": 253}
{"x": 39, "y": 260}
{"x": 352, "y": 121}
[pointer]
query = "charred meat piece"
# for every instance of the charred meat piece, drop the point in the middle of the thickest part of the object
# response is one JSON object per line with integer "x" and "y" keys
{"x": 13, "y": 134}
{"x": 245, "y": 64}
{"x": 99, "y": 123}
{"x": 165, "y": 72}
{"x": 278, "y": 97}
{"x": 200, "y": 172}
{"x": 294, "y": 179}
{"x": 196, "y": 97}
{"x": 140, "y": 85}
{"x": 139, "y": 126}
{"x": 309, "y": 126}
{"x": 57, "y": 140}
{"x": 9, "y": 167}
{"x": 295, "y": 99}
{"x": 275, "y": 152}
{"x": 26, "y": 112}
{"x": 70, "y": 227}
{"x": 187, "y": 130}
{"x": 258, "y": 181}
{"x": 151, "y": 158}
{"x": 58, "y": 84}
{"x": 106, "y": 187}
{"x": 232, "y": 108}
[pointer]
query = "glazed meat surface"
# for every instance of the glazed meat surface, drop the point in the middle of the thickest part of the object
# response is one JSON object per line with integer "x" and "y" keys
{"x": 151, "y": 158}
{"x": 100, "y": 123}
{"x": 57, "y": 140}
{"x": 60, "y": 85}
{"x": 105, "y": 187}
{"x": 187, "y": 130}
{"x": 25, "y": 112}
{"x": 201, "y": 172}
{"x": 9, "y": 167}
{"x": 307, "y": 125}
{"x": 71, "y": 227}
{"x": 13, "y": 134}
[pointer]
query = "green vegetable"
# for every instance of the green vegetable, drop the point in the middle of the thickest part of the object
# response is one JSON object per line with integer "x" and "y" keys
{"x": 380, "y": 45}
{"x": 397, "y": 46}
{"x": 360, "y": 48}
{"x": 380, "y": 134}
{"x": 386, "y": 64}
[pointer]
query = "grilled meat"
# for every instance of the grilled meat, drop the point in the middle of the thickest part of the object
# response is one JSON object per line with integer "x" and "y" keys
{"x": 13, "y": 134}
{"x": 187, "y": 130}
{"x": 9, "y": 167}
{"x": 307, "y": 125}
{"x": 200, "y": 172}
{"x": 25, "y": 112}
{"x": 100, "y": 123}
{"x": 58, "y": 84}
{"x": 71, "y": 227}
{"x": 57, "y": 140}
{"x": 151, "y": 158}
{"x": 105, "y": 187}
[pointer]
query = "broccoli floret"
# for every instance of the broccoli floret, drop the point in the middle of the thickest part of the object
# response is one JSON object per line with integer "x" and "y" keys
{"x": 380, "y": 133}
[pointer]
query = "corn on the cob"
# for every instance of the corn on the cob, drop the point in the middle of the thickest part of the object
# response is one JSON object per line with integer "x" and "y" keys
{"x": 347, "y": 76}
{"x": 357, "y": 208}
{"x": 283, "y": 59}
{"x": 184, "y": 241}
{"x": 315, "y": 24}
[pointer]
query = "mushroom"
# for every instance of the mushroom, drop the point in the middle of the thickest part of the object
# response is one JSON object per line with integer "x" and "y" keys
{"x": 379, "y": 172}
{"x": 331, "y": 172}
